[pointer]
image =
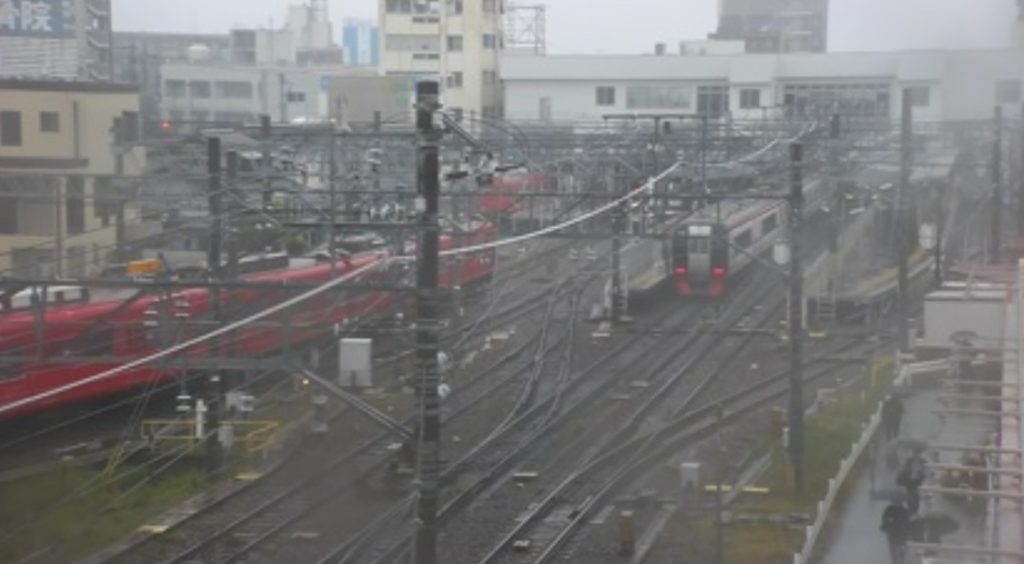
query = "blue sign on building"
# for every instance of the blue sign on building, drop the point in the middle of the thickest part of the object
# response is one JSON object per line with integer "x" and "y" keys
{"x": 40, "y": 18}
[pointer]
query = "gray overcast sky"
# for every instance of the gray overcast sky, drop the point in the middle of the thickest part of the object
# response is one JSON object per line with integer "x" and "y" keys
{"x": 633, "y": 26}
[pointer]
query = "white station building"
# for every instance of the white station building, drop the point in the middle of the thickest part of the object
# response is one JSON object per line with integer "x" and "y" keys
{"x": 944, "y": 85}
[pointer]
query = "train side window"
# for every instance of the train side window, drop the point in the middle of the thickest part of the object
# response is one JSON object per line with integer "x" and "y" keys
{"x": 744, "y": 240}
{"x": 770, "y": 223}
{"x": 97, "y": 343}
{"x": 11, "y": 369}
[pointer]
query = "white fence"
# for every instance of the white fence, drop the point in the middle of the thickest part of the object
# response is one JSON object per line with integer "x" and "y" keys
{"x": 813, "y": 531}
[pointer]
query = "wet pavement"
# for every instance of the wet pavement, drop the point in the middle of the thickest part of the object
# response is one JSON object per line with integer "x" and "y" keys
{"x": 853, "y": 533}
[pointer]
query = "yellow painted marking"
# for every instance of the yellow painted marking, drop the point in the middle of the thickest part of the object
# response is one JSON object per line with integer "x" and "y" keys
{"x": 154, "y": 529}
{"x": 248, "y": 476}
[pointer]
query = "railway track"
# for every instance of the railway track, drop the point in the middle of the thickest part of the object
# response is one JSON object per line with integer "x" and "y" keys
{"x": 207, "y": 537}
{"x": 462, "y": 499}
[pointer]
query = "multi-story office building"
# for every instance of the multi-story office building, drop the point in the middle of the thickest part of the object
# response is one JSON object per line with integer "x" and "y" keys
{"x": 456, "y": 41}
{"x": 63, "y": 146}
{"x": 775, "y": 26}
{"x": 360, "y": 39}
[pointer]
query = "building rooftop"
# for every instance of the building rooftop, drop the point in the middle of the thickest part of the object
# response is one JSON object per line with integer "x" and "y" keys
{"x": 67, "y": 86}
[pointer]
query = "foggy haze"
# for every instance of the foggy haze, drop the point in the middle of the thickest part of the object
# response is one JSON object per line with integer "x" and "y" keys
{"x": 586, "y": 26}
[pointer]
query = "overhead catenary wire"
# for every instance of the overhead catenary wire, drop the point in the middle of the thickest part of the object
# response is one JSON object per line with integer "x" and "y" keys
{"x": 646, "y": 187}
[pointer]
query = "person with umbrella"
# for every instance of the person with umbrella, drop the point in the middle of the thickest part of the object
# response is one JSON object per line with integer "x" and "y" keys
{"x": 896, "y": 526}
{"x": 912, "y": 476}
{"x": 892, "y": 416}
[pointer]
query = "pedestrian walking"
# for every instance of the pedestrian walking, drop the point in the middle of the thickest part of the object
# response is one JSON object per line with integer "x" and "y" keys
{"x": 911, "y": 477}
{"x": 896, "y": 525}
{"x": 892, "y": 417}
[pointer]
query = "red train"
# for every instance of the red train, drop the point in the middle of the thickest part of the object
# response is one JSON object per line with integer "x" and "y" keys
{"x": 106, "y": 333}
{"x": 502, "y": 197}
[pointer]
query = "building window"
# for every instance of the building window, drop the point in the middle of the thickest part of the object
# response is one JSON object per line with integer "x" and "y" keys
{"x": 657, "y": 97}
{"x": 864, "y": 99}
{"x": 750, "y": 98}
{"x": 490, "y": 42}
{"x": 295, "y": 97}
{"x": 74, "y": 205}
{"x": 8, "y": 215}
{"x": 605, "y": 95}
{"x": 455, "y": 43}
{"x": 455, "y": 80}
{"x": 49, "y": 122}
{"x": 414, "y": 43}
{"x": 199, "y": 89}
{"x": 1008, "y": 91}
{"x": 490, "y": 77}
{"x": 235, "y": 89}
{"x": 920, "y": 96}
{"x": 399, "y": 6}
{"x": 174, "y": 88}
{"x": 456, "y": 114}
{"x": 454, "y": 7}
{"x": 712, "y": 101}
{"x": 10, "y": 129}
{"x": 489, "y": 6}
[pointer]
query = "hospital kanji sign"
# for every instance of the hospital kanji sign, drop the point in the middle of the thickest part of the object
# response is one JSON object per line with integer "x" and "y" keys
{"x": 46, "y": 18}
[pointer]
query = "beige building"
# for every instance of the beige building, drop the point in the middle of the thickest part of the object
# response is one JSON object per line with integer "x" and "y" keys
{"x": 455, "y": 41}
{"x": 60, "y": 151}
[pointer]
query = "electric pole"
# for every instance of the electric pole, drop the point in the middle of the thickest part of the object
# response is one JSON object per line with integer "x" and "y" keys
{"x": 428, "y": 377}
{"x": 618, "y": 225}
{"x": 215, "y": 390}
{"x": 267, "y": 182}
{"x": 796, "y": 296}
{"x": 1020, "y": 178}
{"x": 902, "y": 230}
{"x": 121, "y": 136}
{"x": 332, "y": 237}
{"x": 997, "y": 189}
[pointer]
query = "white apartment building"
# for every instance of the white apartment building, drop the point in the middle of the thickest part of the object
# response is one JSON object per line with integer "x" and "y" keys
{"x": 232, "y": 93}
{"x": 456, "y": 41}
{"x": 945, "y": 85}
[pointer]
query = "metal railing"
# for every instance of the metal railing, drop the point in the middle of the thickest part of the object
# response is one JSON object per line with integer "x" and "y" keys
{"x": 812, "y": 533}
